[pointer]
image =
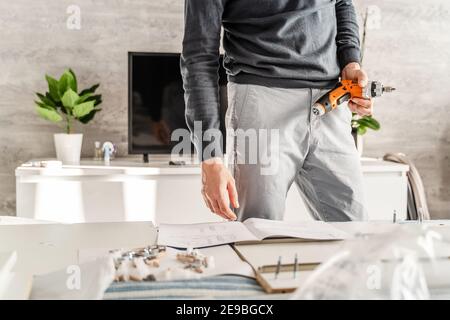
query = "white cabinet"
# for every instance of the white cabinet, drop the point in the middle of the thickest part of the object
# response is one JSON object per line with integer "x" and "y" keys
{"x": 385, "y": 184}
{"x": 129, "y": 190}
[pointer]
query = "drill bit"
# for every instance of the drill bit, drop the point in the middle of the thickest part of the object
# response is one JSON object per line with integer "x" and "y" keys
{"x": 388, "y": 89}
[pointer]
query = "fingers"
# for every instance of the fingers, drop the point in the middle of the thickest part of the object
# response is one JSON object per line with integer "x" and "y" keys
{"x": 224, "y": 207}
{"x": 207, "y": 202}
{"x": 232, "y": 193}
{"x": 212, "y": 205}
{"x": 216, "y": 208}
{"x": 361, "y": 111}
{"x": 363, "y": 107}
{"x": 365, "y": 103}
{"x": 218, "y": 189}
{"x": 219, "y": 204}
{"x": 353, "y": 107}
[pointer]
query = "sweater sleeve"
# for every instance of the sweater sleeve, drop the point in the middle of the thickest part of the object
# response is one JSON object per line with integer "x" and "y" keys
{"x": 347, "y": 39}
{"x": 200, "y": 71}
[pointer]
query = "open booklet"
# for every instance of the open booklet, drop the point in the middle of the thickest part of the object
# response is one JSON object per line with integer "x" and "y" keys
{"x": 216, "y": 233}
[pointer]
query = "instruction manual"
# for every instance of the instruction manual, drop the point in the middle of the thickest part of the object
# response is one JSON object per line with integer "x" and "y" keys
{"x": 216, "y": 233}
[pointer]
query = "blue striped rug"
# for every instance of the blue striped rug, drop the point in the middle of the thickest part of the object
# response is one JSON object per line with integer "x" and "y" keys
{"x": 219, "y": 287}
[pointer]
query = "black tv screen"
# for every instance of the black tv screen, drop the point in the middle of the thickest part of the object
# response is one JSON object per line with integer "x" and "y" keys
{"x": 156, "y": 102}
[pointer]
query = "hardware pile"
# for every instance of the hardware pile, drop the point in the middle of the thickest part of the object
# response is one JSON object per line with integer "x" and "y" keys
{"x": 139, "y": 264}
{"x": 134, "y": 264}
{"x": 195, "y": 261}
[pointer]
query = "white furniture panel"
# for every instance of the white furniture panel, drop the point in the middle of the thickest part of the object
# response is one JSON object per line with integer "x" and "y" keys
{"x": 129, "y": 190}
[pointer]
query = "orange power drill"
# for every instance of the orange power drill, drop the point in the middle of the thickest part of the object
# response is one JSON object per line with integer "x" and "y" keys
{"x": 344, "y": 91}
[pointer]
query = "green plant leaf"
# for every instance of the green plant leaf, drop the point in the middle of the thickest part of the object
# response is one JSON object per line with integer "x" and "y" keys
{"x": 362, "y": 130}
{"x": 66, "y": 82}
{"x": 49, "y": 114}
{"x": 80, "y": 110}
{"x": 370, "y": 122}
{"x": 96, "y": 98}
{"x": 89, "y": 116}
{"x": 74, "y": 83}
{"x": 46, "y": 100}
{"x": 375, "y": 123}
{"x": 63, "y": 84}
{"x": 40, "y": 104}
{"x": 43, "y": 105}
{"x": 84, "y": 98}
{"x": 53, "y": 88}
{"x": 70, "y": 98}
{"x": 59, "y": 106}
{"x": 90, "y": 90}
{"x": 55, "y": 103}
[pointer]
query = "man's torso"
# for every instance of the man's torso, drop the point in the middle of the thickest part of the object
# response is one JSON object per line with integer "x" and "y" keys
{"x": 286, "y": 43}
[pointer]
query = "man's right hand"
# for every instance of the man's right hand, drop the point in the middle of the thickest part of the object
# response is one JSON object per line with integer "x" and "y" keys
{"x": 219, "y": 188}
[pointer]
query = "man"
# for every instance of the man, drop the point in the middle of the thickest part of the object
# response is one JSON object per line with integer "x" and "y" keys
{"x": 280, "y": 56}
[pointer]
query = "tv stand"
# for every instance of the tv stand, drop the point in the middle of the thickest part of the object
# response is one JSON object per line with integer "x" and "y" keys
{"x": 128, "y": 190}
{"x": 145, "y": 157}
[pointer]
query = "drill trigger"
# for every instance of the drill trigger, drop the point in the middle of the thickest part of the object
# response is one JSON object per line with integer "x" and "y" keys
{"x": 344, "y": 98}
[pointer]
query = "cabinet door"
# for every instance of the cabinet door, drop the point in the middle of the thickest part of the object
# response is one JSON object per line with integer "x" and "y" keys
{"x": 385, "y": 192}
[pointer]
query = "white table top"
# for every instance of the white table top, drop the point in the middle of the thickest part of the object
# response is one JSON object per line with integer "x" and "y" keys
{"x": 160, "y": 166}
{"x": 46, "y": 247}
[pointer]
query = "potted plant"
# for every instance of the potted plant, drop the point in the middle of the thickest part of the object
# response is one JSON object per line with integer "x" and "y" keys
{"x": 62, "y": 104}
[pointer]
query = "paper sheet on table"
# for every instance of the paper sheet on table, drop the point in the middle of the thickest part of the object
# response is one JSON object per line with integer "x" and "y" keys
{"x": 311, "y": 230}
{"x": 227, "y": 262}
{"x": 201, "y": 235}
{"x": 217, "y": 233}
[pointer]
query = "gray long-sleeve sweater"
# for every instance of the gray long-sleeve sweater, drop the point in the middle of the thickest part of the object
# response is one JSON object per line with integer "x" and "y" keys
{"x": 279, "y": 43}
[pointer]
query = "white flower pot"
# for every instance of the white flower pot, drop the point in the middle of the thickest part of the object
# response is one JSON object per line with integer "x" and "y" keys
{"x": 68, "y": 147}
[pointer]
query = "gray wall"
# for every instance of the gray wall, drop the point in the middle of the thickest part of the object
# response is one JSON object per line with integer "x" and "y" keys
{"x": 411, "y": 50}
{"x": 34, "y": 40}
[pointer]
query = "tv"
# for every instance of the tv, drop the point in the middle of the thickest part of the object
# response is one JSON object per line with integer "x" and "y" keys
{"x": 156, "y": 102}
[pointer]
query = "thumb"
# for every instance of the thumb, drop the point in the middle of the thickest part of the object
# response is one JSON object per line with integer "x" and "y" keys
{"x": 232, "y": 193}
{"x": 362, "y": 78}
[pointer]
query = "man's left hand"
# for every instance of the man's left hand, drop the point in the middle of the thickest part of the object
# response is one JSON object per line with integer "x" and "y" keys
{"x": 352, "y": 71}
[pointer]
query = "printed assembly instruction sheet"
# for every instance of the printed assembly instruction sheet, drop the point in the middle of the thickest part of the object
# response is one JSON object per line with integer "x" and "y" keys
{"x": 203, "y": 234}
{"x": 311, "y": 230}
{"x": 212, "y": 234}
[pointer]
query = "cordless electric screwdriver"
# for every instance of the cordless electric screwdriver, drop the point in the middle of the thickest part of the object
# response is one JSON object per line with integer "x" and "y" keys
{"x": 346, "y": 90}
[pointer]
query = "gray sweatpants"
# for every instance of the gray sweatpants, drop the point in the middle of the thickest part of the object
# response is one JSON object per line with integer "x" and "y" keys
{"x": 273, "y": 140}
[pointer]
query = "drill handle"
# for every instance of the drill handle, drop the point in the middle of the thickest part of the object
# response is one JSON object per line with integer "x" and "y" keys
{"x": 344, "y": 91}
